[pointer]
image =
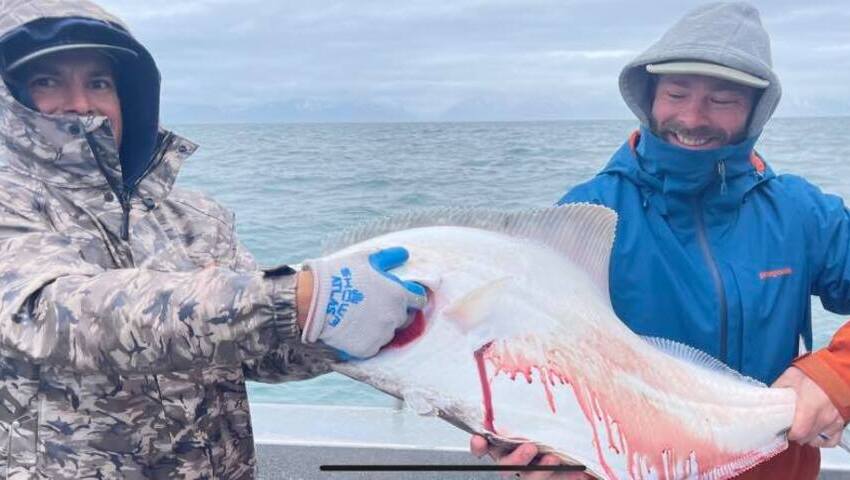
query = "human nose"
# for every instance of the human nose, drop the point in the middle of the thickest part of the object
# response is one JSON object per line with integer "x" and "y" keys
{"x": 78, "y": 102}
{"x": 693, "y": 114}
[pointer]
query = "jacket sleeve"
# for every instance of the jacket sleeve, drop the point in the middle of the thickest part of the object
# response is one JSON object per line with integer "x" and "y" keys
{"x": 583, "y": 192}
{"x": 828, "y": 248}
{"x": 830, "y": 369}
{"x": 57, "y": 308}
{"x": 829, "y": 254}
{"x": 285, "y": 361}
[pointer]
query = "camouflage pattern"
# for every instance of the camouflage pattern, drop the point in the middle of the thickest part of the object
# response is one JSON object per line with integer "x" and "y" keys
{"x": 14, "y": 13}
{"x": 125, "y": 358}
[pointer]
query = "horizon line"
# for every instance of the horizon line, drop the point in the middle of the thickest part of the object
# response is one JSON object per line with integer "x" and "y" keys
{"x": 423, "y": 122}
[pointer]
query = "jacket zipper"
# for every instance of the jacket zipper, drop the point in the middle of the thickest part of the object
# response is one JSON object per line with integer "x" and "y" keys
{"x": 716, "y": 278}
{"x": 721, "y": 170}
{"x": 123, "y": 193}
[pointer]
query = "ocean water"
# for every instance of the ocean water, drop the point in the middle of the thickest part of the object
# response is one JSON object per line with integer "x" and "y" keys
{"x": 292, "y": 185}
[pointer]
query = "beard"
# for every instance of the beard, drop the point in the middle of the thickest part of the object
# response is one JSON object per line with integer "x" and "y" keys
{"x": 675, "y": 127}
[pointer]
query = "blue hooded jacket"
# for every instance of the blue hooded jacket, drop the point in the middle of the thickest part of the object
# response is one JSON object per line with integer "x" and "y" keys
{"x": 715, "y": 251}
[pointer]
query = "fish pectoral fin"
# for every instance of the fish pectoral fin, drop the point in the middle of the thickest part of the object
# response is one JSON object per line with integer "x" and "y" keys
{"x": 498, "y": 310}
{"x": 473, "y": 309}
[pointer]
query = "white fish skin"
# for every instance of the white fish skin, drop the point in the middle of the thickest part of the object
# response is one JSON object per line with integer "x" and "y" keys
{"x": 519, "y": 308}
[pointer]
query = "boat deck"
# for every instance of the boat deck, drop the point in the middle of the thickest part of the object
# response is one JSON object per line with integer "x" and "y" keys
{"x": 293, "y": 441}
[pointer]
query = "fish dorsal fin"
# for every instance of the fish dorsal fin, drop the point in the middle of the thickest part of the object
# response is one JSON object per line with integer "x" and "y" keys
{"x": 581, "y": 231}
{"x": 697, "y": 357}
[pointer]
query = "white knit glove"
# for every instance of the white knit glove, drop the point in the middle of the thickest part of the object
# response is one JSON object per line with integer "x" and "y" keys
{"x": 357, "y": 304}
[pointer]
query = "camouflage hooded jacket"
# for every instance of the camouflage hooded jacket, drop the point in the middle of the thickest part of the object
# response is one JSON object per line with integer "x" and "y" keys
{"x": 125, "y": 358}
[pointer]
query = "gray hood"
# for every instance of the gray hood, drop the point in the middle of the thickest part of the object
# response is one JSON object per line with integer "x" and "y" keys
{"x": 728, "y": 34}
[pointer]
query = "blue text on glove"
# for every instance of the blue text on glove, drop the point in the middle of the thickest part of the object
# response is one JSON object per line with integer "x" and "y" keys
{"x": 342, "y": 296}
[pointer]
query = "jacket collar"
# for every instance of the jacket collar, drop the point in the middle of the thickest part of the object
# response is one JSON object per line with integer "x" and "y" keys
{"x": 74, "y": 152}
{"x": 721, "y": 176}
{"x": 690, "y": 172}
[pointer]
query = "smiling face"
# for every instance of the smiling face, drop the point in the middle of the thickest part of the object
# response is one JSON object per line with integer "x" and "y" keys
{"x": 699, "y": 112}
{"x": 78, "y": 82}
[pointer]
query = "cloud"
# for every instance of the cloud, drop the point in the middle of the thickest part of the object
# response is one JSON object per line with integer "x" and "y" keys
{"x": 842, "y": 49}
{"x": 593, "y": 54}
{"x": 166, "y": 9}
{"x": 796, "y": 14}
{"x": 425, "y": 60}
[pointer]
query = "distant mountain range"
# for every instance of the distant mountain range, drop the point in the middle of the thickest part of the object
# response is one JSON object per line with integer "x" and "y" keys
{"x": 306, "y": 110}
{"x": 473, "y": 109}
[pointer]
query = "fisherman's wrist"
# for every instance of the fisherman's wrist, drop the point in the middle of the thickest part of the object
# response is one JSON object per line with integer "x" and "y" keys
{"x": 314, "y": 322}
{"x": 280, "y": 285}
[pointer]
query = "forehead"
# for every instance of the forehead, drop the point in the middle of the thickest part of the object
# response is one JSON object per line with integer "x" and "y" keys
{"x": 88, "y": 61}
{"x": 701, "y": 81}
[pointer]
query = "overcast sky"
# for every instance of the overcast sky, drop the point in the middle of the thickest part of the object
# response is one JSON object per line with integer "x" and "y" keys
{"x": 360, "y": 60}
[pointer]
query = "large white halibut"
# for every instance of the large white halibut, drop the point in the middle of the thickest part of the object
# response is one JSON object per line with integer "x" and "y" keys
{"x": 519, "y": 342}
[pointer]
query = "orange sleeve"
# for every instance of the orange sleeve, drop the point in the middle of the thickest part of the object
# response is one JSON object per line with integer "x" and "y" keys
{"x": 830, "y": 369}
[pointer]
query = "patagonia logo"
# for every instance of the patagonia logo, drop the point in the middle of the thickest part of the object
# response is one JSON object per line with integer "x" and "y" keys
{"x": 342, "y": 296}
{"x": 779, "y": 272}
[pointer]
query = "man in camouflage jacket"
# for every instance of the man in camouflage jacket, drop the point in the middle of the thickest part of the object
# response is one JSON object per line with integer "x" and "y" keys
{"x": 130, "y": 315}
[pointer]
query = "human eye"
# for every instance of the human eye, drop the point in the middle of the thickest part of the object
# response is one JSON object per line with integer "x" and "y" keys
{"x": 725, "y": 100}
{"x": 103, "y": 83}
{"x": 676, "y": 94}
{"x": 43, "y": 81}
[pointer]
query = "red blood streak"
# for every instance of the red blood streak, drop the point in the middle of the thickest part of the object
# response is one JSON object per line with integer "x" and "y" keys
{"x": 547, "y": 387}
{"x": 511, "y": 363}
{"x": 644, "y": 451}
{"x": 485, "y": 388}
{"x": 409, "y": 333}
{"x": 611, "y": 438}
{"x": 591, "y": 411}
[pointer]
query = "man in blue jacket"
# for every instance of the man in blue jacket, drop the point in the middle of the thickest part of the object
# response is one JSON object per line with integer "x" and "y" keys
{"x": 736, "y": 250}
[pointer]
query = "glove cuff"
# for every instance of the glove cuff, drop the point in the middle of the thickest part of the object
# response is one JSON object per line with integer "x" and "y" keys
{"x": 313, "y": 326}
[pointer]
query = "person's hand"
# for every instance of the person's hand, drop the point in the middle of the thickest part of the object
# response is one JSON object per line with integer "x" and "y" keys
{"x": 814, "y": 414}
{"x": 357, "y": 305}
{"x": 525, "y": 454}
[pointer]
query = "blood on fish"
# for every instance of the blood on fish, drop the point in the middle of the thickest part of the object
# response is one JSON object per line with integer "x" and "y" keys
{"x": 485, "y": 388}
{"x": 555, "y": 369}
{"x": 611, "y": 445}
{"x": 547, "y": 384}
{"x": 417, "y": 327}
{"x": 409, "y": 333}
{"x": 510, "y": 363}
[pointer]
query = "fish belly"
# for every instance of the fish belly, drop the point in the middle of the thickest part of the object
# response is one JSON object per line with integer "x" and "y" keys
{"x": 520, "y": 344}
